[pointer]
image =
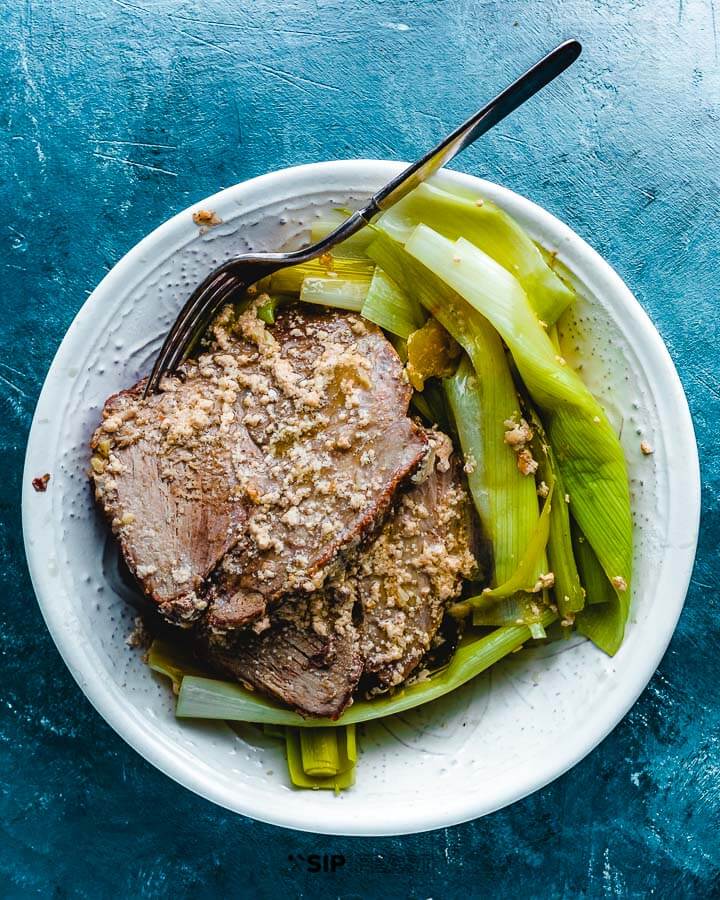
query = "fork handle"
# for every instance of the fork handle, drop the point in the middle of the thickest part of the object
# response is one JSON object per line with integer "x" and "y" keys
{"x": 536, "y": 78}
{"x": 528, "y": 84}
{"x": 207, "y": 298}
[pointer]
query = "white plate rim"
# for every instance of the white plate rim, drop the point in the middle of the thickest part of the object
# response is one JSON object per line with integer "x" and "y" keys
{"x": 686, "y": 484}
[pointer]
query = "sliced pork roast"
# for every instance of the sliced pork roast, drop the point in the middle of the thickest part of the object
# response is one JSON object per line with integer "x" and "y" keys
{"x": 377, "y": 618}
{"x": 164, "y": 476}
{"x": 246, "y": 476}
{"x": 308, "y": 657}
{"x": 327, "y": 404}
{"x": 406, "y": 577}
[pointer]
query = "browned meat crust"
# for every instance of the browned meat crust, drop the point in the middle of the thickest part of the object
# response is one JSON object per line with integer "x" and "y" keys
{"x": 273, "y": 452}
{"x": 406, "y": 577}
{"x": 308, "y": 658}
{"x": 378, "y": 618}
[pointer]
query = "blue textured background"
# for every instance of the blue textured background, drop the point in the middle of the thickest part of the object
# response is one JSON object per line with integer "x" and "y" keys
{"x": 117, "y": 114}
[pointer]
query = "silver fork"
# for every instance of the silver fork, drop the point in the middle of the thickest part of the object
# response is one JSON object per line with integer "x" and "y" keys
{"x": 239, "y": 272}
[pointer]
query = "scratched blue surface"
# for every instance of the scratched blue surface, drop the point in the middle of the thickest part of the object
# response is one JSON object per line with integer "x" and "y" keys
{"x": 117, "y": 114}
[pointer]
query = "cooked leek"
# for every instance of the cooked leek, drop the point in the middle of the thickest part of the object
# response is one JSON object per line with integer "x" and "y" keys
{"x": 522, "y": 597}
{"x": 569, "y": 594}
{"x": 592, "y": 577}
{"x": 276, "y": 731}
{"x": 588, "y": 452}
{"x": 336, "y": 292}
{"x": 207, "y": 698}
{"x": 600, "y": 619}
{"x": 169, "y": 660}
{"x": 268, "y": 308}
{"x": 320, "y": 754}
{"x": 604, "y": 623}
{"x": 525, "y": 576}
{"x": 505, "y": 499}
{"x": 519, "y": 609}
{"x": 488, "y": 227}
{"x": 321, "y": 757}
{"x": 481, "y": 396}
{"x": 393, "y": 309}
{"x": 430, "y": 403}
{"x": 421, "y": 406}
{"x": 289, "y": 281}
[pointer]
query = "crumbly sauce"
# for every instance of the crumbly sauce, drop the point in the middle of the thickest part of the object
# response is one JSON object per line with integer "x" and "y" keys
{"x": 518, "y": 435}
{"x": 275, "y": 450}
{"x": 405, "y": 578}
{"x": 306, "y": 422}
{"x": 378, "y": 616}
{"x": 333, "y": 399}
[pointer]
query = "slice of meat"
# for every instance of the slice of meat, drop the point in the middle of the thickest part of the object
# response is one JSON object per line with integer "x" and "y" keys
{"x": 165, "y": 479}
{"x": 415, "y": 566}
{"x": 308, "y": 658}
{"x": 277, "y": 449}
{"x": 332, "y": 423}
{"x": 312, "y": 652}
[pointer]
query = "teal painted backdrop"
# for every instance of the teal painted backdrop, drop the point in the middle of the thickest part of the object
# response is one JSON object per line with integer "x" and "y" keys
{"x": 119, "y": 113}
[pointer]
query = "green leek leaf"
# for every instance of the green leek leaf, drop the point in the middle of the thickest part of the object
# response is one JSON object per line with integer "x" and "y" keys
{"x": 524, "y": 577}
{"x": 600, "y": 620}
{"x": 392, "y": 308}
{"x": 207, "y": 698}
{"x": 484, "y": 224}
{"x": 588, "y": 452}
{"x": 481, "y": 396}
{"x": 430, "y": 403}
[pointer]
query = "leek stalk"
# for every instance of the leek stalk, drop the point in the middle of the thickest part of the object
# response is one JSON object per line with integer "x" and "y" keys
{"x": 338, "y": 293}
{"x": 430, "y": 403}
{"x": 289, "y": 281}
{"x": 525, "y": 575}
{"x": 600, "y": 619}
{"x": 522, "y": 608}
{"x": 207, "y": 698}
{"x": 481, "y": 396}
{"x": 568, "y": 591}
{"x": 321, "y": 757}
{"x": 481, "y": 400}
{"x": 487, "y": 226}
{"x": 392, "y": 308}
{"x": 597, "y": 587}
{"x": 588, "y": 452}
{"x": 320, "y": 754}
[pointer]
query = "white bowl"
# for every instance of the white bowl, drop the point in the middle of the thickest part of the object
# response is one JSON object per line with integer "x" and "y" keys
{"x": 506, "y": 734}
